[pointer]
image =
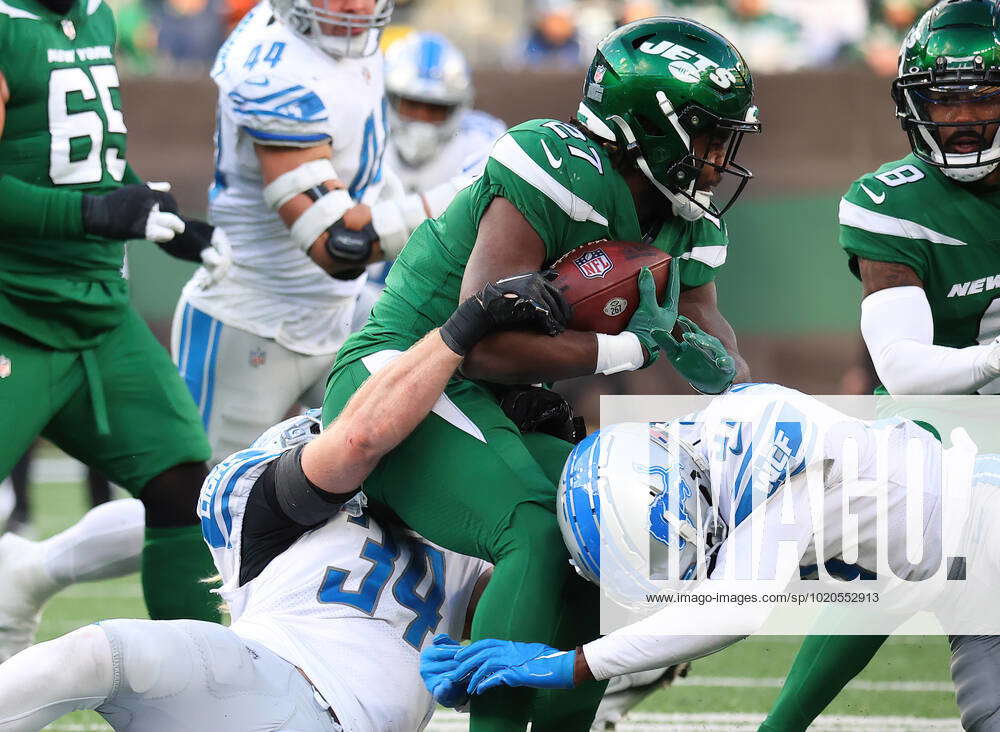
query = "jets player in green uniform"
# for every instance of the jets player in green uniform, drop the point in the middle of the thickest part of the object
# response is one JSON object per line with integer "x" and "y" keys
{"x": 666, "y": 104}
{"x": 77, "y": 363}
{"x": 921, "y": 234}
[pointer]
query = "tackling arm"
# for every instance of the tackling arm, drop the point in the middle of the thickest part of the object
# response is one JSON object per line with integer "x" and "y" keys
{"x": 393, "y": 401}
{"x": 898, "y": 328}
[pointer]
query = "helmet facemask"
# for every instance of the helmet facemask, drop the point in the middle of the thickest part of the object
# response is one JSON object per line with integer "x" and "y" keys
{"x": 919, "y": 95}
{"x": 341, "y": 35}
{"x": 652, "y": 145}
{"x": 686, "y": 530}
{"x": 425, "y": 69}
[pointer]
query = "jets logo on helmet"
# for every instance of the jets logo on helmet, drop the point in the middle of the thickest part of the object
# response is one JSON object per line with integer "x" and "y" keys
{"x": 947, "y": 93}
{"x": 674, "y": 111}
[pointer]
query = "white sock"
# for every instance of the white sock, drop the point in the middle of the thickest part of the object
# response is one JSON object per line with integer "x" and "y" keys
{"x": 106, "y": 542}
{"x": 48, "y": 681}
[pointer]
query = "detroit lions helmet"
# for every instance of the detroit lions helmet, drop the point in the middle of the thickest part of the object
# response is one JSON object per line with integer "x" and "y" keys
{"x": 337, "y": 33}
{"x": 425, "y": 68}
{"x": 641, "y": 493}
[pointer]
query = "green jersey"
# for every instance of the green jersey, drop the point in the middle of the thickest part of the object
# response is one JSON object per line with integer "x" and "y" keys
{"x": 64, "y": 129}
{"x": 566, "y": 188}
{"x": 911, "y": 213}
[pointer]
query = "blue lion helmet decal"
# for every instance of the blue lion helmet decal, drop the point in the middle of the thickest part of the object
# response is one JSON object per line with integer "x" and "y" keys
{"x": 659, "y": 527}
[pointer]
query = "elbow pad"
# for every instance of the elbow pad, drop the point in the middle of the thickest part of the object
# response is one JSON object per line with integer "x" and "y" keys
{"x": 300, "y": 500}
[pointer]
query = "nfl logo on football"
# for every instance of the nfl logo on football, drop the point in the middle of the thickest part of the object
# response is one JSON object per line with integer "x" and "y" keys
{"x": 594, "y": 264}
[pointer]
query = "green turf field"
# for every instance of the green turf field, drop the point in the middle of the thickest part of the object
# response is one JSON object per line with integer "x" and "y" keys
{"x": 906, "y": 687}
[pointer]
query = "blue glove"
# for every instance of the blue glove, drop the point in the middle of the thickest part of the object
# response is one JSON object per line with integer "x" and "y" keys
{"x": 436, "y": 663}
{"x": 493, "y": 663}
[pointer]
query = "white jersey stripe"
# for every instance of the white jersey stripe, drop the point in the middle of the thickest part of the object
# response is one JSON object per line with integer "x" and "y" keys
{"x": 509, "y": 154}
{"x": 851, "y": 214}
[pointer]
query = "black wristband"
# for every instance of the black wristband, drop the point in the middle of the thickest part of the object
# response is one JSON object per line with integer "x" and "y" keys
{"x": 466, "y": 326}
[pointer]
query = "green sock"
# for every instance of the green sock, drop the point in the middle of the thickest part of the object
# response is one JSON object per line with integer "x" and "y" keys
{"x": 579, "y": 623}
{"x": 175, "y": 562}
{"x": 822, "y": 668}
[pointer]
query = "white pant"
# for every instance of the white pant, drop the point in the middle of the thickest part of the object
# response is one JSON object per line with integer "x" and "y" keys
{"x": 189, "y": 675}
{"x": 242, "y": 383}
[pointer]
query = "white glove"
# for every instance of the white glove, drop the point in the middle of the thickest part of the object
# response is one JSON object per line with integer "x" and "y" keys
{"x": 217, "y": 258}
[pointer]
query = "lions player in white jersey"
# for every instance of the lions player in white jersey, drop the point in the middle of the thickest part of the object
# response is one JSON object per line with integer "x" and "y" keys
{"x": 437, "y": 143}
{"x": 749, "y": 451}
{"x": 331, "y": 604}
{"x": 300, "y": 136}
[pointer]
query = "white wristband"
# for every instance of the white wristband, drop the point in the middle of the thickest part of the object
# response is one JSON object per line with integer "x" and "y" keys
{"x": 616, "y": 353}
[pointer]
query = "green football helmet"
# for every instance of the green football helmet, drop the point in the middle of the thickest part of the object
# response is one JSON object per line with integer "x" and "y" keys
{"x": 952, "y": 57}
{"x": 660, "y": 87}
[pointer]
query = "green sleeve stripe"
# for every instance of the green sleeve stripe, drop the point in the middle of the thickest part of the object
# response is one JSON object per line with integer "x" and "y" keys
{"x": 851, "y": 214}
{"x": 510, "y": 155}
{"x": 711, "y": 256}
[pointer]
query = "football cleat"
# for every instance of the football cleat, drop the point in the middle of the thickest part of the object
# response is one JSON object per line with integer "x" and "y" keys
{"x": 26, "y": 587}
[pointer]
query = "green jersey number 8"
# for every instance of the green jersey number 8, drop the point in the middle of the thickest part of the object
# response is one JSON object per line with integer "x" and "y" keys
{"x": 65, "y": 126}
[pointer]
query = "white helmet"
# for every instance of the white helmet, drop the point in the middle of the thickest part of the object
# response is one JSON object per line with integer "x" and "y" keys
{"x": 425, "y": 67}
{"x": 337, "y": 33}
{"x": 643, "y": 493}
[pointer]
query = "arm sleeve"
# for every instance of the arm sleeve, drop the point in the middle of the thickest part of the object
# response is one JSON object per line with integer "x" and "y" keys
{"x": 898, "y": 329}
{"x": 677, "y": 633}
{"x": 39, "y": 212}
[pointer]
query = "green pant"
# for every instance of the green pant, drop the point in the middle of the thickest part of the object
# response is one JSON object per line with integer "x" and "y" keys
{"x": 471, "y": 482}
{"x": 120, "y": 407}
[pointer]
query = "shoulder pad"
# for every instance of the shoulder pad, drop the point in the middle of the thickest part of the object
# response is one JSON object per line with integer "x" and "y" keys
{"x": 475, "y": 120}
{"x": 280, "y": 111}
{"x": 890, "y": 188}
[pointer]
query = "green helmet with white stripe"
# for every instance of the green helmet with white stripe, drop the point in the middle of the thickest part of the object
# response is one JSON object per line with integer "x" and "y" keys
{"x": 666, "y": 91}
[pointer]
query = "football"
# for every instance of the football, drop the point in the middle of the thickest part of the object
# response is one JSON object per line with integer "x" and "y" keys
{"x": 601, "y": 281}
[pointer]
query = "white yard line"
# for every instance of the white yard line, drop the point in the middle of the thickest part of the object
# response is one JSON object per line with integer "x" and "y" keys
{"x": 740, "y": 682}
{"x": 447, "y": 721}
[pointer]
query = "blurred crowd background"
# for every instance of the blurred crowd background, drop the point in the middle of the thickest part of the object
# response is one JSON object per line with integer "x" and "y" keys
{"x": 182, "y": 36}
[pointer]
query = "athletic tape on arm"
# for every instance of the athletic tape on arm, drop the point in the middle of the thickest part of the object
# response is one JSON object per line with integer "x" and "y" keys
{"x": 319, "y": 217}
{"x": 288, "y": 185}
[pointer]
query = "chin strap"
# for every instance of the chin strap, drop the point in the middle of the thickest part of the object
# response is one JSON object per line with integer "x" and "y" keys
{"x": 685, "y": 204}
{"x": 970, "y": 175}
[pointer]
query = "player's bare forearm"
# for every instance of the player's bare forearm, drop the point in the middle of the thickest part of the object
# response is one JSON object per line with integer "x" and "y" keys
{"x": 701, "y": 305}
{"x": 383, "y": 412}
{"x": 532, "y": 358}
{"x": 581, "y": 669}
{"x": 877, "y": 276}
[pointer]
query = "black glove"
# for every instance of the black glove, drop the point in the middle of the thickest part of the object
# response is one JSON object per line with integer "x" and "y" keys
{"x": 197, "y": 235}
{"x": 348, "y": 245}
{"x": 527, "y": 301}
{"x": 132, "y": 212}
{"x": 535, "y": 409}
